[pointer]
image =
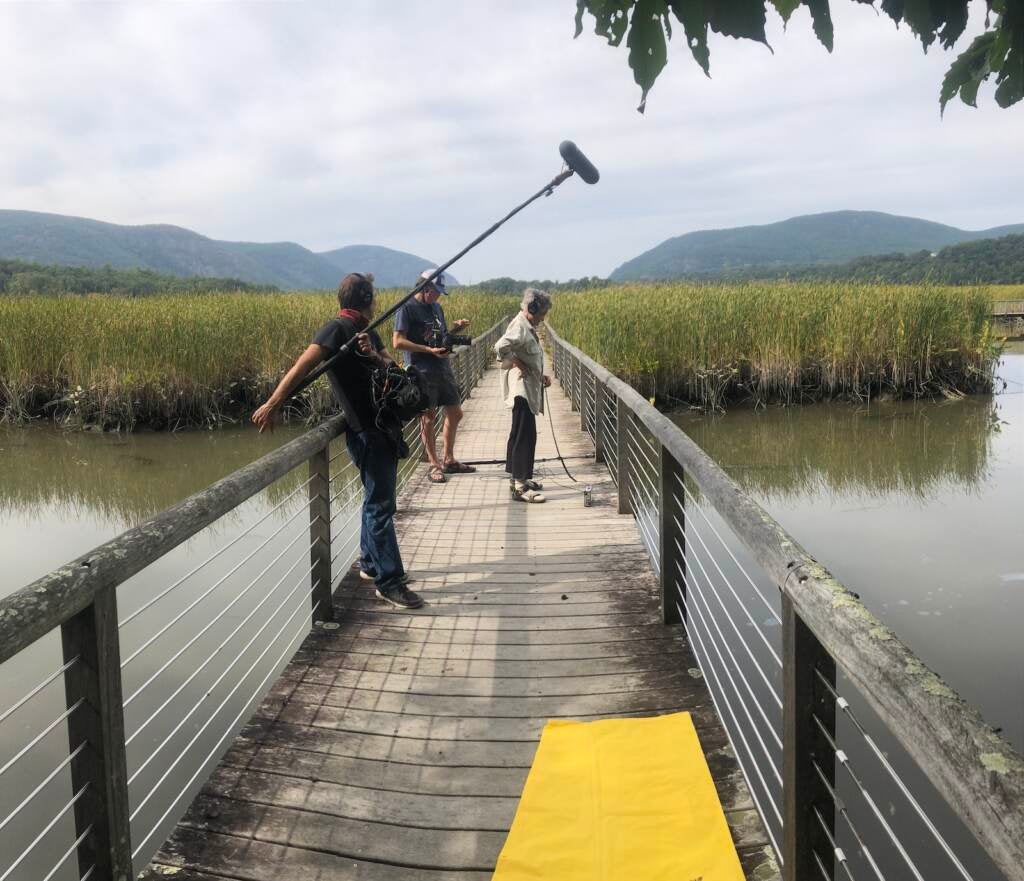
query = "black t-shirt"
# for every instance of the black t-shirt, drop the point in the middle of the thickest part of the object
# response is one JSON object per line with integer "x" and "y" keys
{"x": 350, "y": 374}
{"x": 418, "y": 321}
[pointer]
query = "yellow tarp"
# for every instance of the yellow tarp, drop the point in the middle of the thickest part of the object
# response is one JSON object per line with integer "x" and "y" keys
{"x": 619, "y": 800}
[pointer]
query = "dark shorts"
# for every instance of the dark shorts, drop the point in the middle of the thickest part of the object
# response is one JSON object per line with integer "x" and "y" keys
{"x": 442, "y": 389}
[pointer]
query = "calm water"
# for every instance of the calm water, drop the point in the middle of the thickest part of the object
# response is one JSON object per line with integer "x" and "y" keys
{"x": 918, "y": 507}
{"x": 62, "y": 494}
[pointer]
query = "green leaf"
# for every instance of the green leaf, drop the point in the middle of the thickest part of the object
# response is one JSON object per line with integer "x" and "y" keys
{"x": 786, "y": 8}
{"x": 894, "y": 9}
{"x": 969, "y": 92}
{"x": 918, "y": 14}
{"x": 695, "y": 27}
{"x": 611, "y": 18}
{"x": 822, "y": 20}
{"x": 581, "y": 7}
{"x": 646, "y": 42}
{"x": 743, "y": 19}
{"x": 969, "y": 67}
{"x": 952, "y": 15}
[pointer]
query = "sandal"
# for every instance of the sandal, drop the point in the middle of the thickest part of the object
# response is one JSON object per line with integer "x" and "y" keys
{"x": 456, "y": 467}
{"x": 528, "y": 495}
{"x": 436, "y": 475}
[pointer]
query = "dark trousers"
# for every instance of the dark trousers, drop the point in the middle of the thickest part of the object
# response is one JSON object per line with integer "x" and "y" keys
{"x": 522, "y": 442}
{"x": 375, "y": 457}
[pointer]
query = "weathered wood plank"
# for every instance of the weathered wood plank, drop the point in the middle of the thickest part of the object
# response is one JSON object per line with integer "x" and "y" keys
{"x": 426, "y": 619}
{"x": 247, "y": 859}
{"x": 500, "y": 668}
{"x": 362, "y": 639}
{"x": 491, "y": 706}
{"x": 483, "y": 728}
{"x": 551, "y": 602}
{"x": 487, "y": 686}
{"x": 404, "y": 750}
{"x": 400, "y": 627}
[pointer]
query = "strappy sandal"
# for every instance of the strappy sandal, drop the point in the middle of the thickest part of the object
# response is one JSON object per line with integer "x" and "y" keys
{"x": 527, "y": 495}
{"x": 456, "y": 467}
{"x": 436, "y": 475}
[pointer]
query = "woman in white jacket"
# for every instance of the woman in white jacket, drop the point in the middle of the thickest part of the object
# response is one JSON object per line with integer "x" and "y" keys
{"x": 522, "y": 384}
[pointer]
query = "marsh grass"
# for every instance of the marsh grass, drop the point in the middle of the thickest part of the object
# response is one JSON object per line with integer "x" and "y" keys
{"x": 170, "y": 361}
{"x": 709, "y": 345}
{"x": 208, "y": 359}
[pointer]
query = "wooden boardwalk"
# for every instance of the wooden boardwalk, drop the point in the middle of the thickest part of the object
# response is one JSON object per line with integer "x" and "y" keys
{"x": 395, "y": 747}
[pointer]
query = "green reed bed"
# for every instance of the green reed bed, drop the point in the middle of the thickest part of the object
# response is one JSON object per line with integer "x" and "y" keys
{"x": 709, "y": 344}
{"x": 170, "y": 361}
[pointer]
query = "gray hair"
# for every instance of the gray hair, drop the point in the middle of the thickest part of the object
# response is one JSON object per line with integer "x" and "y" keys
{"x": 536, "y": 295}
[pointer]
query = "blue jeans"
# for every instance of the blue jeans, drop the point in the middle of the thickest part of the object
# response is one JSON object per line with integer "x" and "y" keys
{"x": 375, "y": 457}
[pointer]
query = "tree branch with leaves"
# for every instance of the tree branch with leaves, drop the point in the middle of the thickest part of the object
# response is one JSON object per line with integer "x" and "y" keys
{"x": 647, "y": 26}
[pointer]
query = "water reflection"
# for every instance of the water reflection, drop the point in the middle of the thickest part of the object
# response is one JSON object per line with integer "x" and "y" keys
{"x": 908, "y": 448}
{"x": 120, "y": 479}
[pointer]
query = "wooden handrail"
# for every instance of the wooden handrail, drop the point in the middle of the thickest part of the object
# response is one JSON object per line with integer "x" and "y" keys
{"x": 33, "y": 611}
{"x": 976, "y": 770}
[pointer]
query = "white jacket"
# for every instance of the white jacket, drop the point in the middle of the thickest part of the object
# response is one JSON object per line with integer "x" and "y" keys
{"x": 520, "y": 341}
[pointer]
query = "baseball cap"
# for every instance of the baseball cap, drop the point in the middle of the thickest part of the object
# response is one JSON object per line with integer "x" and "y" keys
{"x": 438, "y": 282}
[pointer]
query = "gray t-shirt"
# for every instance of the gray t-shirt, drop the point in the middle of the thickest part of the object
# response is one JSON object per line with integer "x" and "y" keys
{"x": 419, "y": 322}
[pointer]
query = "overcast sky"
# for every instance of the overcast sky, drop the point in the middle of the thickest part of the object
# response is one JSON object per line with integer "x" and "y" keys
{"x": 417, "y": 123}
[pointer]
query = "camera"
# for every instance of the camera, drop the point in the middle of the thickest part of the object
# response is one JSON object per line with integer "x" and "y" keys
{"x": 441, "y": 339}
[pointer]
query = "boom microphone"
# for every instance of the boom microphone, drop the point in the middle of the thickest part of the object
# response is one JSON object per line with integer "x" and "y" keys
{"x": 578, "y": 162}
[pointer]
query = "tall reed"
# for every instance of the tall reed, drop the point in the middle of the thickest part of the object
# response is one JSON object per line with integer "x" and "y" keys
{"x": 170, "y": 360}
{"x": 711, "y": 344}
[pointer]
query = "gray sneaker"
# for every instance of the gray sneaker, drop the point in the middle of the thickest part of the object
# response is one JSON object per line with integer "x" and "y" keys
{"x": 400, "y": 596}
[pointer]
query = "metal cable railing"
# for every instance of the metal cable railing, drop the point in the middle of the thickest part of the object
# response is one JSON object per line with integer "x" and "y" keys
{"x": 284, "y": 582}
{"x": 908, "y": 796}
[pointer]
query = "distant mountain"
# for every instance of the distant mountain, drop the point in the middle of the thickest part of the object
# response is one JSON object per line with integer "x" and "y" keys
{"x": 833, "y": 237}
{"x": 390, "y": 268}
{"x": 77, "y": 241}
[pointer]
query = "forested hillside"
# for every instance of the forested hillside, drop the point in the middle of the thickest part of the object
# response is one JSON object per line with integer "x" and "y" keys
{"x": 18, "y": 277}
{"x": 989, "y": 261}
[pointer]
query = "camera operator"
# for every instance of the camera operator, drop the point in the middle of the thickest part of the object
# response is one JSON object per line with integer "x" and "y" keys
{"x": 522, "y": 384}
{"x": 420, "y": 330}
{"x": 374, "y": 450}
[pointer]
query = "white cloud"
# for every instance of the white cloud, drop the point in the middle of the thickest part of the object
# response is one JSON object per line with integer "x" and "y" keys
{"x": 417, "y": 124}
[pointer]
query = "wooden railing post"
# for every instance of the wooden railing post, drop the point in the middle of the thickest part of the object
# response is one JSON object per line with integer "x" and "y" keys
{"x": 803, "y": 747}
{"x": 600, "y": 392}
{"x": 671, "y": 537}
{"x": 464, "y": 374}
{"x": 583, "y": 398}
{"x": 320, "y": 532}
{"x": 95, "y": 679}
{"x": 575, "y": 369}
{"x": 622, "y": 455}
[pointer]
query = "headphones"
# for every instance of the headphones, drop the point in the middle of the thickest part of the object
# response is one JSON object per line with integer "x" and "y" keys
{"x": 535, "y": 306}
{"x": 363, "y": 298}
